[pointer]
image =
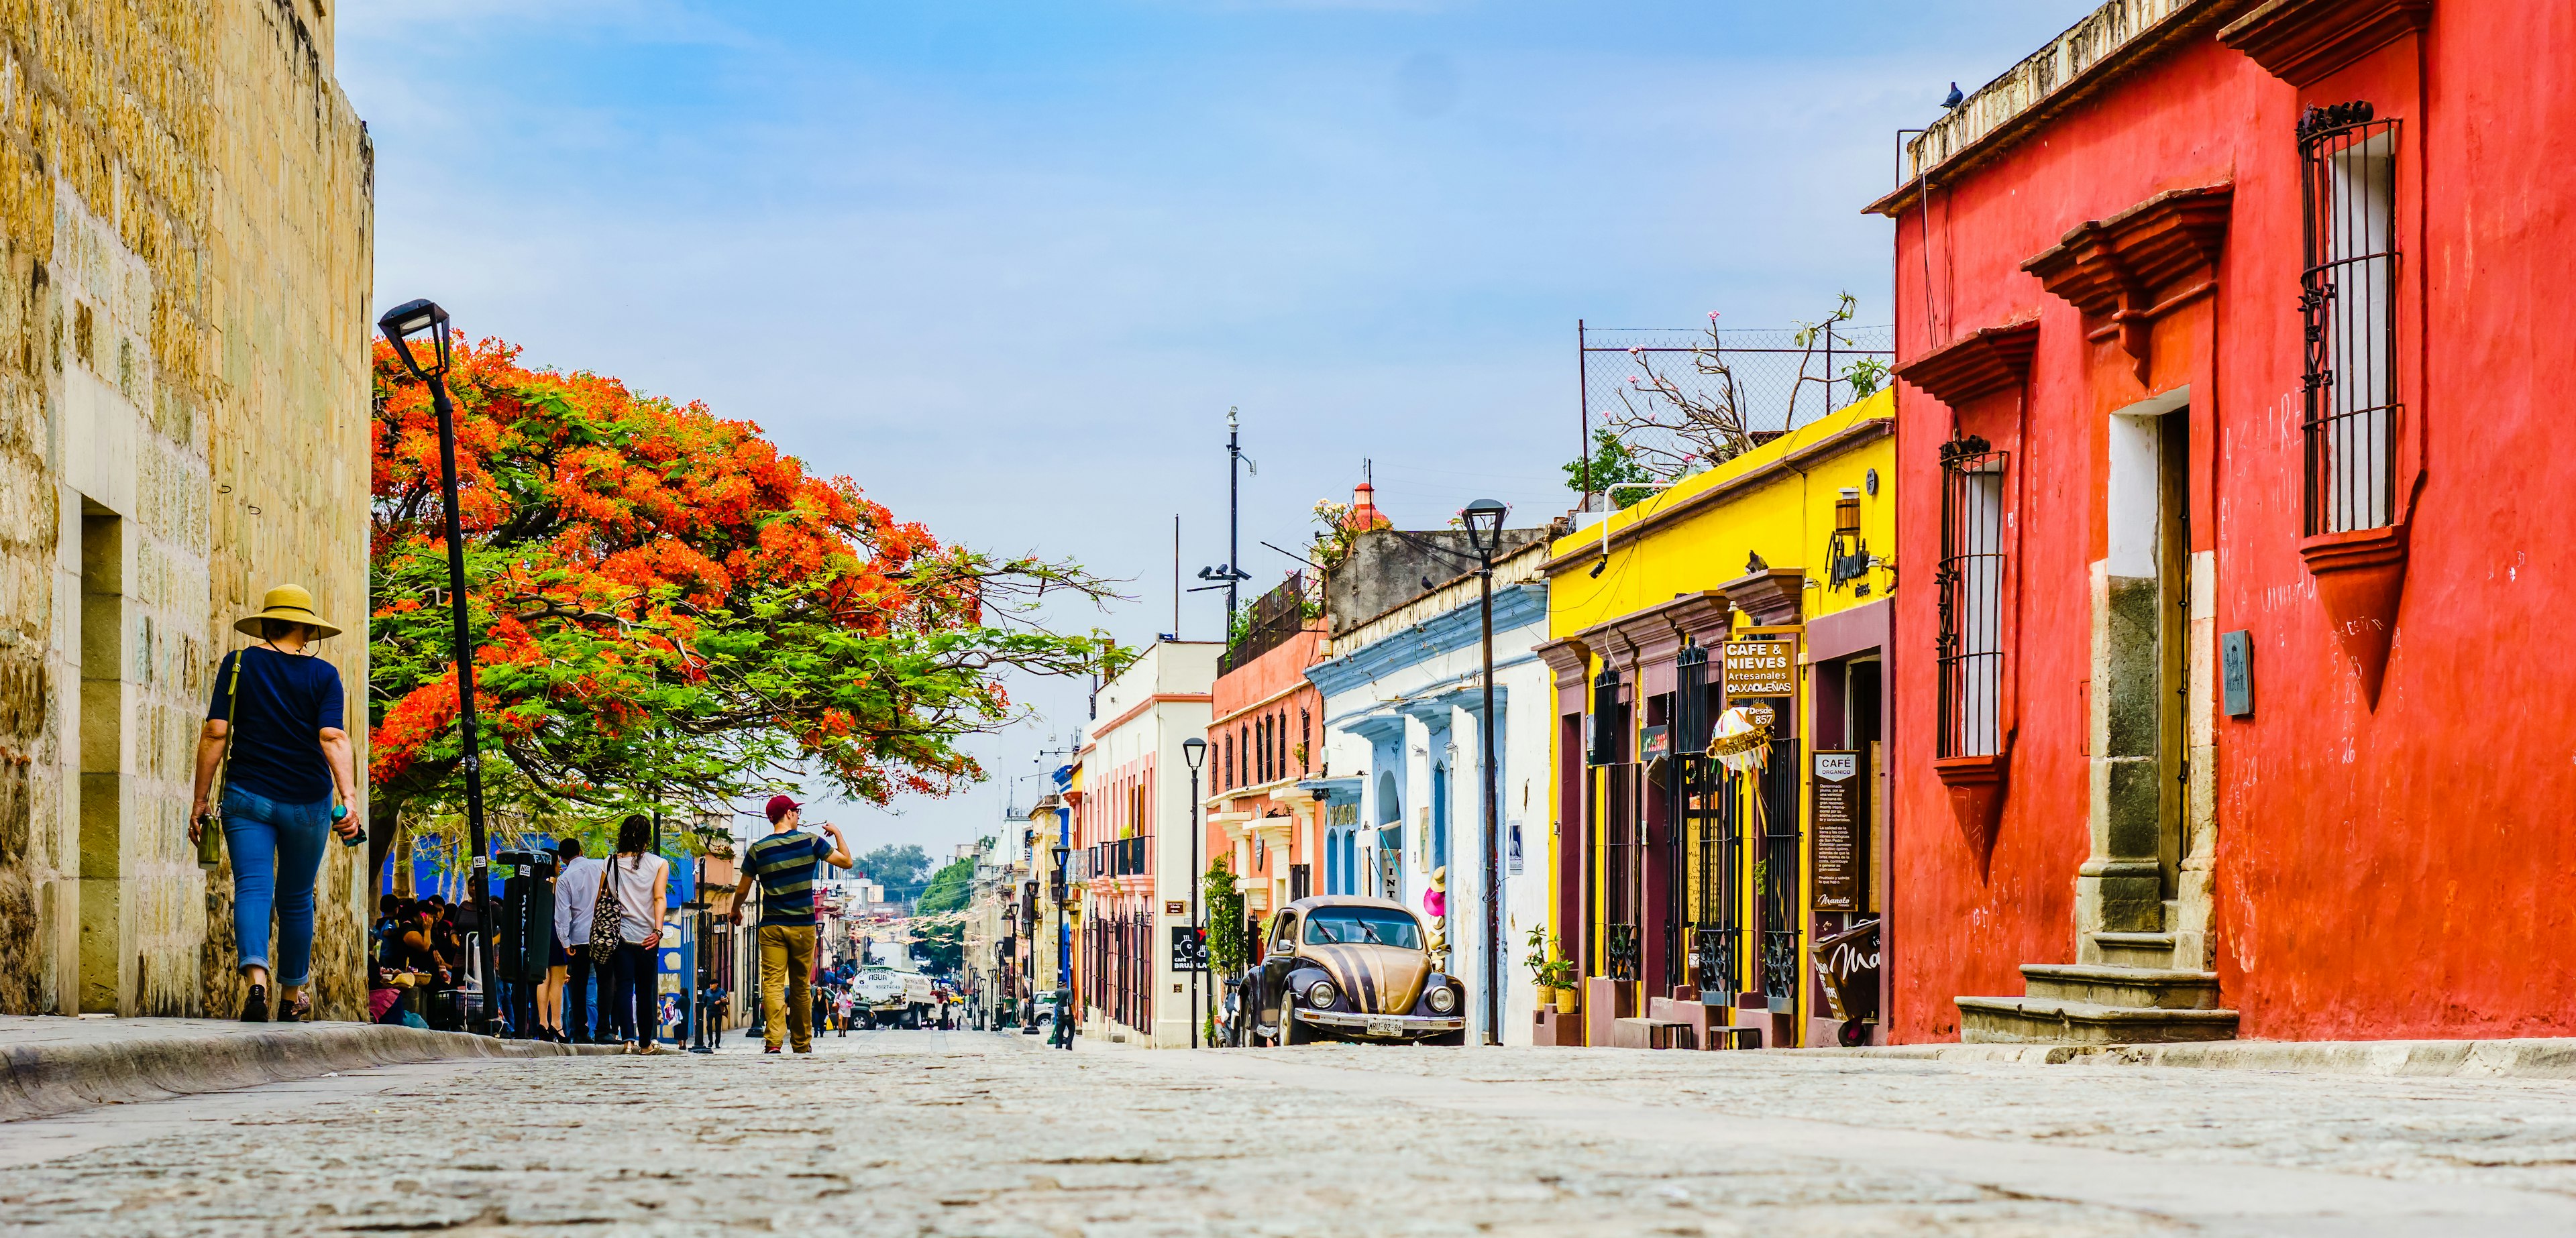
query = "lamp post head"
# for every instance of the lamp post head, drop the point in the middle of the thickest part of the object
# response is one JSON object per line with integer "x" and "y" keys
{"x": 1193, "y": 752}
{"x": 409, "y": 319}
{"x": 1484, "y": 521}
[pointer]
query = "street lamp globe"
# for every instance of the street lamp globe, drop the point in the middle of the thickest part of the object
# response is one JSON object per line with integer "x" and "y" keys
{"x": 1484, "y": 521}
{"x": 409, "y": 319}
{"x": 1194, "y": 751}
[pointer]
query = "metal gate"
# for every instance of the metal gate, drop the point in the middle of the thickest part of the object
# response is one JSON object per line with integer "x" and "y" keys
{"x": 1711, "y": 830}
{"x": 1778, "y": 787}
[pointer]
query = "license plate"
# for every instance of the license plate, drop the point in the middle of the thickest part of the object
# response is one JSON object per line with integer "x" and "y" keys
{"x": 1385, "y": 1027}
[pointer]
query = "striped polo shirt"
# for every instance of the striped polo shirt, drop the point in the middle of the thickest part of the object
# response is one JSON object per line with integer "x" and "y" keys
{"x": 785, "y": 862}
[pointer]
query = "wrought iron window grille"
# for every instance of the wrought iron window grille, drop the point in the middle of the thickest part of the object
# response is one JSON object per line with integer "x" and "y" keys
{"x": 2348, "y": 311}
{"x": 1968, "y": 586}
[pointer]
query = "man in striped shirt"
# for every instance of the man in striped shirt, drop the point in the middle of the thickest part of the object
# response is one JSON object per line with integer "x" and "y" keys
{"x": 783, "y": 866}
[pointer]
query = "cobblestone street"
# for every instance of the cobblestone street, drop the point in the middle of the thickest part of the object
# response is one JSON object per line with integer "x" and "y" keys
{"x": 970, "y": 1133}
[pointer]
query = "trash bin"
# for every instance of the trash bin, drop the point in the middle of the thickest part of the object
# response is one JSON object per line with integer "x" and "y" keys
{"x": 1847, "y": 962}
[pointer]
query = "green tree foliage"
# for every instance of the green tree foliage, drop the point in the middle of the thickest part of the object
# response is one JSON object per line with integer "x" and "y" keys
{"x": 894, "y": 866}
{"x": 942, "y": 947}
{"x": 1227, "y": 948}
{"x": 950, "y": 887}
{"x": 1612, "y": 465}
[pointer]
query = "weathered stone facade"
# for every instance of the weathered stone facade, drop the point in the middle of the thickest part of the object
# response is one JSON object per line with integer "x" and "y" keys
{"x": 186, "y": 231}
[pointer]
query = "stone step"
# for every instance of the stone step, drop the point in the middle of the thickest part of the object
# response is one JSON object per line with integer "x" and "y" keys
{"x": 2046, "y": 1020}
{"x": 2150, "y": 988}
{"x": 2135, "y": 949}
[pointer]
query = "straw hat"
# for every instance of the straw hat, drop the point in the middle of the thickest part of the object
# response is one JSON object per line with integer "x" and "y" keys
{"x": 286, "y": 604}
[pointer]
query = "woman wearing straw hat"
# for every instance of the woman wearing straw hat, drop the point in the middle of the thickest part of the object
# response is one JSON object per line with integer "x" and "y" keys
{"x": 275, "y": 728}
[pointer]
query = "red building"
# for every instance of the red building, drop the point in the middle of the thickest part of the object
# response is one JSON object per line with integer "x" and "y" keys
{"x": 2225, "y": 332}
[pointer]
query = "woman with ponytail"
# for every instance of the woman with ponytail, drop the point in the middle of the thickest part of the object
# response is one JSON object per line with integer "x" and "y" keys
{"x": 642, "y": 883}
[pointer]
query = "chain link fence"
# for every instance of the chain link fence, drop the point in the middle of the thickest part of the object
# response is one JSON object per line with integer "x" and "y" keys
{"x": 1767, "y": 366}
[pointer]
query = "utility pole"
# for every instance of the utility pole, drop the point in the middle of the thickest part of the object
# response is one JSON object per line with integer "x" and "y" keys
{"x": 1229, "y": 574}
{"x": 1233, "y": 511}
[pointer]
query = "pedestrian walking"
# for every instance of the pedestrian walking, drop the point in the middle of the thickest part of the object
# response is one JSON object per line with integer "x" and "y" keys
{"x": 783, "y": 866}
{"x": 576, "y": 897}
{"x": 641, "y": 881}
{"x": 274, "y": 728}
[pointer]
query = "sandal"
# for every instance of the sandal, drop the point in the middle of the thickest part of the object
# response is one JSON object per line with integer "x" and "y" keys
{"x": 255, "y": 1005}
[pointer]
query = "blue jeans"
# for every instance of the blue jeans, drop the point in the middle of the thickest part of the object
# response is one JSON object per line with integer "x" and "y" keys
{"x": 277, "y": 852}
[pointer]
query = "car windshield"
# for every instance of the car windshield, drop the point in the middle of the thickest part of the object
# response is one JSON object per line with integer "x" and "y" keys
{"x": 1362, "y": 926}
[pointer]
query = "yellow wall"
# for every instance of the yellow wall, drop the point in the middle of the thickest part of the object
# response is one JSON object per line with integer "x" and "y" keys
{"x": 1788, "y": 519}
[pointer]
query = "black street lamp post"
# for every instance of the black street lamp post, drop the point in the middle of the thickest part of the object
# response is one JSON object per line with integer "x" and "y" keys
{"x": 1193, "y": 754}
{"x": 1484, "y": 521}
{"x": 400, "y": 324}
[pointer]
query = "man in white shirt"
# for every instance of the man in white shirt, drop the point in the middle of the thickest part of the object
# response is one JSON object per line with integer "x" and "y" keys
{"x": 576, "y": 893}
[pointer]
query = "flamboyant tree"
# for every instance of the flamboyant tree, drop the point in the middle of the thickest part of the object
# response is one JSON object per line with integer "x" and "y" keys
{"x": 669, "y": 609}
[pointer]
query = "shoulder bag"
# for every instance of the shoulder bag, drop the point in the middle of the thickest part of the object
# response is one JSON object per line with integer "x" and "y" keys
{"x": 210, "y": 828}
{"x": 605, "y": 914}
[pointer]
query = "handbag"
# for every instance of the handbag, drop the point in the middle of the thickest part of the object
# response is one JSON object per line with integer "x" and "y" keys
{"x": 210, "y": 828}
{"x": 604, "y": 914}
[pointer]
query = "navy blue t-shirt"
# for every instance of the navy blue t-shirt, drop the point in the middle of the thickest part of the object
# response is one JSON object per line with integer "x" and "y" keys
{"x": 286, "y": 701}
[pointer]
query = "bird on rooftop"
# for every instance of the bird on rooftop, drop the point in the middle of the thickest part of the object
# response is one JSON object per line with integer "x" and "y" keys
{"x": 1955, "y": 98}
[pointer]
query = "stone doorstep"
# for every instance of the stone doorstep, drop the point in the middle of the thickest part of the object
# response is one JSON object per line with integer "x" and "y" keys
{"x": 2045, "y": 1020}
{"x": 2158, "y": 988}
{"x": 51, "y": 1065}
{"x": 2135, "y": 949}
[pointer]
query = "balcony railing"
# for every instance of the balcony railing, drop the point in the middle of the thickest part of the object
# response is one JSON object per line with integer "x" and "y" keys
{"x": 1275, "y": 616}
{"x": 1127, "y": 857}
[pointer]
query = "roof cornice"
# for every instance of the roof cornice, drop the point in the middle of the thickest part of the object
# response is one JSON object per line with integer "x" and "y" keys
{"x": 2077, "y": 64}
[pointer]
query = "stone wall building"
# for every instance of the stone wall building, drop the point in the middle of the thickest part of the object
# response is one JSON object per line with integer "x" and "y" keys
{"x": 186, "y": 224}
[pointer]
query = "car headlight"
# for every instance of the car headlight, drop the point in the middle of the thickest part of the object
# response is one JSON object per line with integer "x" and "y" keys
{"x": 1443, "y": 1000}
{"x": 1320, "y": 995}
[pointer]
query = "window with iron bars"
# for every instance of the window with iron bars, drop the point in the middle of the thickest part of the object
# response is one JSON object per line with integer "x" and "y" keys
{"x": 1969, "y": 586}
{"x": 2347, "y": 301}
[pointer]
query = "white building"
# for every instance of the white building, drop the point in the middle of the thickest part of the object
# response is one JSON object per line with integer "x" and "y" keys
{"x": 1403, "y": 709}
{"x": 1132, "y": 849}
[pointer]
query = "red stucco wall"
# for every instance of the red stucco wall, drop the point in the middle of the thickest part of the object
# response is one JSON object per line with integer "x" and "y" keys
{"x": 2395, "y": 872}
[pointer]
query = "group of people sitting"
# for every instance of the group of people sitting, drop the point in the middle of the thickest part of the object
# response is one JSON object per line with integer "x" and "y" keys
{"x": 419, "y": 963}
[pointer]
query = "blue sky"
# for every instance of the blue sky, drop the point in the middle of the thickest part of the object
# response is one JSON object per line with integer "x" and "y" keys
{"x": 1007, "y": 264}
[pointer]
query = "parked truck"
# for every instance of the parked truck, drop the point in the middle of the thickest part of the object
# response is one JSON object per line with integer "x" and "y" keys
{"x": 895, "y": 996}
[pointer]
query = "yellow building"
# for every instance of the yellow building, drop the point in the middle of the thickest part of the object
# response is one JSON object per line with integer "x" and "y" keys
{"x": 1685, "y": 892}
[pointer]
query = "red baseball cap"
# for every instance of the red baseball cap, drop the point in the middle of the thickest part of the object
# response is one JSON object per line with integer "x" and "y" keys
{"x": 780, "y": 806}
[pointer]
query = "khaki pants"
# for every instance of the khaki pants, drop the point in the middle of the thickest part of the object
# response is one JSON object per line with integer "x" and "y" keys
{"x": 786, "y": 972}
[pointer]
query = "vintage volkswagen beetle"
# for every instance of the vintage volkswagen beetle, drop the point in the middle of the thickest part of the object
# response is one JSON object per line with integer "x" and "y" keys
{"x": 1345, "y": 967}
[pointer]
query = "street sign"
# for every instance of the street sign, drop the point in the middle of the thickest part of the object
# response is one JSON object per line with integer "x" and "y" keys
{"x": 1839, "y": 831}
{"x": 1189, "y": 949}
{"x": 1760, "y": 668}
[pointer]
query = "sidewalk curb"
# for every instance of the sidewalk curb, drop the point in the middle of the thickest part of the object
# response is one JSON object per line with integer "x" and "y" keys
{"x": 45, "y": 1079}
{"x": 2535, "y": 1058}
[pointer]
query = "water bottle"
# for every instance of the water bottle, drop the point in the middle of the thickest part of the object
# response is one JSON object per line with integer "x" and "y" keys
{"x": 340, "y": 812}
{"x": 210, "y": 843}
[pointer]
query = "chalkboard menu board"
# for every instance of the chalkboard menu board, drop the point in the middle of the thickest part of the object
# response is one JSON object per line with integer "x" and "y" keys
{"x": 1839, "y": 833}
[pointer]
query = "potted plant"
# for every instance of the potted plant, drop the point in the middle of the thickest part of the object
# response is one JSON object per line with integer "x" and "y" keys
{"x": 1553, "y": 976}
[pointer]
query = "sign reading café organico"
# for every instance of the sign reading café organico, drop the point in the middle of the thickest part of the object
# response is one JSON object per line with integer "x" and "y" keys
{"x": 1760, "y": 668}
{"x": 1839, "y": 831}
